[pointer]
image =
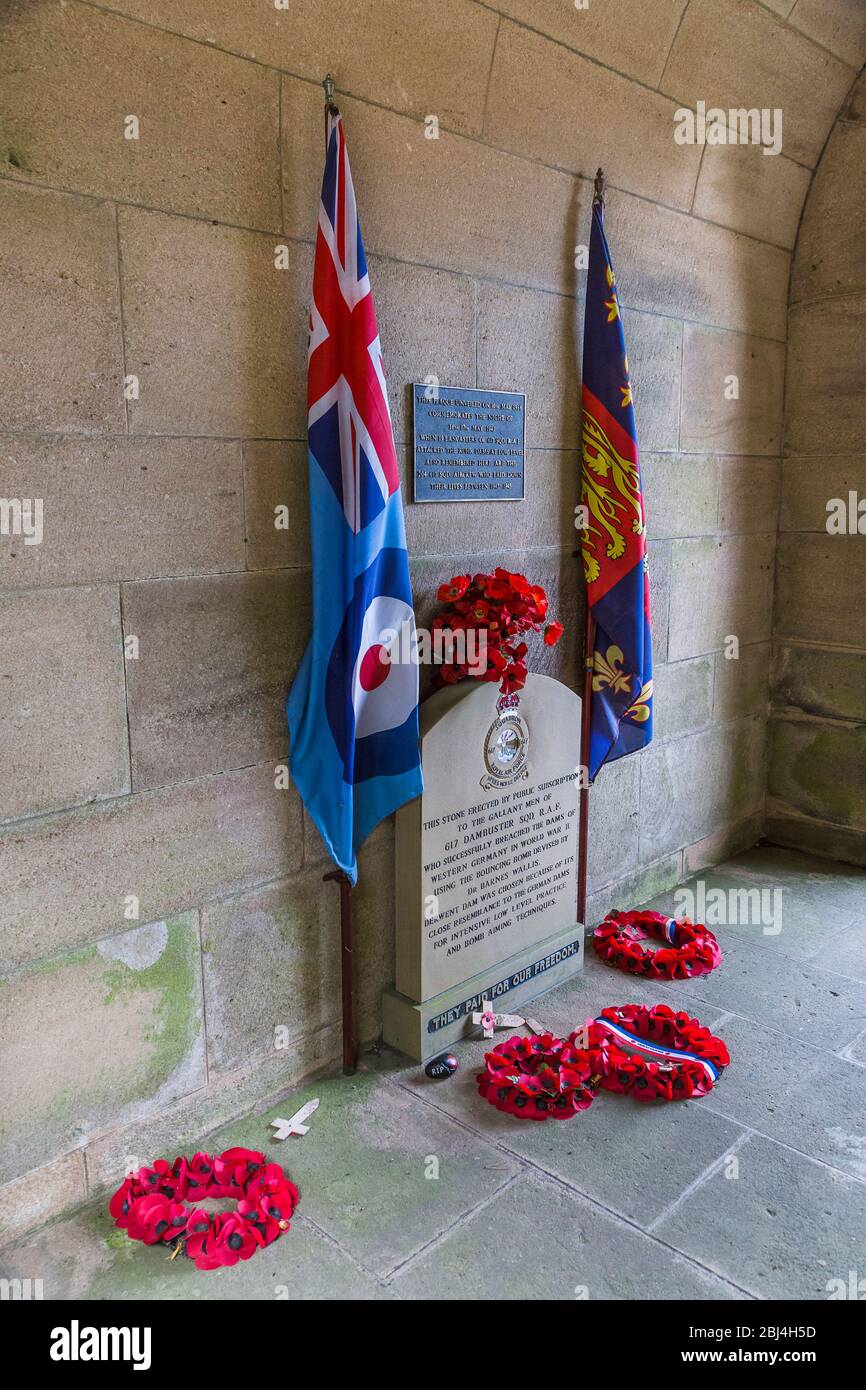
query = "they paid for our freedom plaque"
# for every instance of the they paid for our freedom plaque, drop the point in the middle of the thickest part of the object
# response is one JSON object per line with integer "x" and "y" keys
{"x": 470, "y": 445}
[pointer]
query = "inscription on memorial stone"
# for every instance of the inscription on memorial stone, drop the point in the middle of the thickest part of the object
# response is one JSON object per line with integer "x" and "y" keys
{"x": 513, "y": 854}
{"x": 491, "y": 868}
{"x": 469, "y": 444}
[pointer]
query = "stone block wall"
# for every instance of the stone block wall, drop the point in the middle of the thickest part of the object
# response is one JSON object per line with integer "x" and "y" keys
{"x": 817, "y": 766}
{"x": 162, "y": 905}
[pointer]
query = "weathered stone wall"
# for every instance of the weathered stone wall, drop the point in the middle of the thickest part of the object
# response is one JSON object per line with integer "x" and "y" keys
{"x": 817, "y": 765}
{"x": 152, "y": 775}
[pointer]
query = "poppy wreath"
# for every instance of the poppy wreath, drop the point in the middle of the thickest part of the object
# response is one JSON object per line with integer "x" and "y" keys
{"x": 540, "y": 1077}
{"x": 154, "y": 1205}
{"x": 501, "y": 608}
{"x": 690, "y": 950}
{"x": 546, "y": 1078}
{"x": 682, "y": 1058}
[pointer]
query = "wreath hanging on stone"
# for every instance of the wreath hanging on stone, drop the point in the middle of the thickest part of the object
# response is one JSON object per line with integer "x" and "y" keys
{"x": 499, "y": 609}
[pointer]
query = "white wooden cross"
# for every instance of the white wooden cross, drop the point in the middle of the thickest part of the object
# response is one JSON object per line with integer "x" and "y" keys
{"x": 283, "y": 1128}
{"x": 490, "y": 1021}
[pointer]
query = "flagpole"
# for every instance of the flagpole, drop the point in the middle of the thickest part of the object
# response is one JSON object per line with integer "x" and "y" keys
{"x": 330, "y": 108}
{"x": 346, "y": 970}
{"x": 337, "y": 875}
{"x": 586, "y": 700}
{"x": 583, "y": 811}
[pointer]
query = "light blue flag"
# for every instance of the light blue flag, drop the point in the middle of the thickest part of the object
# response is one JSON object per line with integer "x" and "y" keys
{"x": 353, "y": 707}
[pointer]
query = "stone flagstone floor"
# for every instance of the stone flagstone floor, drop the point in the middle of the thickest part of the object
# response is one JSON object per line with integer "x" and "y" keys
{"x": 756, "y": 1191}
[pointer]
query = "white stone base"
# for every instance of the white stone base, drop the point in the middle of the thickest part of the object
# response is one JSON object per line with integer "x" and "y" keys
{"x": 424, "y": 1030}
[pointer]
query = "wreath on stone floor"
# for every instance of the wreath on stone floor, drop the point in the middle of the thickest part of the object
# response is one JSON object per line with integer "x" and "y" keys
{"x": 648, "y": 1053}
{"x": 690, "y": 949}
{"x": 157, "y": 1205}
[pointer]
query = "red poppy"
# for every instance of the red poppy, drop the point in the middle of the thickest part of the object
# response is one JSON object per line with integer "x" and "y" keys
{"x": 517, "y": 651}
{"x": 234, "y": 1240}
{"x": 624, "y": 1071}
{"x": 456, "y": 589}
{"x": 153, "y": 1218}
{"x": 195, "y": 1241}
{"x": 539, "y": 598}
{"x": 451, "y": 674}
{"x": 514, "y": 678}
{"x": 272, "y": 1182}
{"x": 688, "y": 1080}
{"x": 181, "y": 1177}
{"x": 552, "y": 634}
{"x": 201, "y": 1248}
{"x": 199, "y": 1172}
{"x": 121, "y": 1205}
{"x": 715, "y": 1051}
{"x": 497, "y": 590}
{"x": 654, "y": 1084}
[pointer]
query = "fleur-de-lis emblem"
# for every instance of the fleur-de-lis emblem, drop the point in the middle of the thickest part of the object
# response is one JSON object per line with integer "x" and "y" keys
{"x": 607, "y": 671}
{"x": 640, "y": 711}
{"x": 612, "y": 304}
{"x": 626, "y": 390}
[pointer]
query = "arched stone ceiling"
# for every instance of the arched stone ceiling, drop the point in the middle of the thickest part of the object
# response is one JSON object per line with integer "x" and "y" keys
{"x": 818, "y": 747}
{"x": 529, "y": 95}
{"x": 441, "y": 57}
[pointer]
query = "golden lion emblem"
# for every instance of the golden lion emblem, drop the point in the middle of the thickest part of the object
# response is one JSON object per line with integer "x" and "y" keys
{"x": 611, "y": 494}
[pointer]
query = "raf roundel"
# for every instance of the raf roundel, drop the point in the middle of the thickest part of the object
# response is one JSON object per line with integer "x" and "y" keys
{"x": 371, "y": 688}
{"x": 384, "y": 686}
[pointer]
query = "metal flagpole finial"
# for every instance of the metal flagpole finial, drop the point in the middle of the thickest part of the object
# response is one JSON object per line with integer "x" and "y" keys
{"x": 330, "y": 108}
{"x": 598, "y": 193}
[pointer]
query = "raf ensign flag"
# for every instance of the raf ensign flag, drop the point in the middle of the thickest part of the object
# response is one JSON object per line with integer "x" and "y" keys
{"x": 614, "y": 543}
{"x": 352, "y": 712}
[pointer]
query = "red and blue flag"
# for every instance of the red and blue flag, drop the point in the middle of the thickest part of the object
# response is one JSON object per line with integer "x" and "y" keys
{"x": 353, "y": 707}
{"x": 614, "y": 537}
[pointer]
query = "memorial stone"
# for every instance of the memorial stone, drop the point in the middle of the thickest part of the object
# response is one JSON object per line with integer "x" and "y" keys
{"x": 486, "y": 861}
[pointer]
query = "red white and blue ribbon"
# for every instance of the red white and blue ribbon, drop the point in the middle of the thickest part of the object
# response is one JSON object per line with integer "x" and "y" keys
{"x": 656, "y": 1050}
